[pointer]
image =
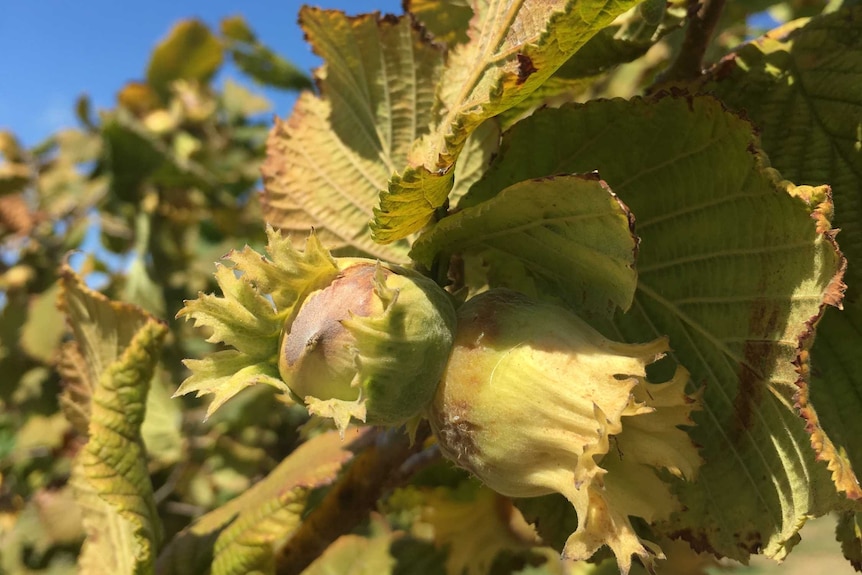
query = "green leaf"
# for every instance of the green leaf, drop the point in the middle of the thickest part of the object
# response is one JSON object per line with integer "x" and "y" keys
{"x": 15, "y": 172}
{"x": 800, "y": 86}
{"x": 161, "y": 429}
{"x": 241, "y": 102}
{"x": 135, "y": 155}
{"x": 478, "y": 151}
{"x": 257, "y": 60}
{"x": 190, "y": 52}
{"x": 258, "y": 295}
{"x": 448, "y": 21}
{"x": 241, "y": 535}
{"x": 376, "y": 98}
{"x": 571, "y": 234}
{"x": 117, "y": 347}
{"x": 513, "y": 49}
{"x": 731, "y": 267}
{"x": 356, "y": 555}
{"x": 471, "y": 522}
{"x": 626, "y": 40}
{"x": 44, "y": 328}
{"x": 242, "y": 317}
{"x": 829, "y": 396}
{"x": 553, "y": 516}
{"x": 14, "y": 177}
{"x": 849, "y": 534}
{"x": 77, "y": 390}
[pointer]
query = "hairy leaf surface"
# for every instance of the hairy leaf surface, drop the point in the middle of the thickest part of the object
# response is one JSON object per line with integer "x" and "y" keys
{"x": 570, "y": 233}
{"x": 116, "y": 348}
{"x": 328, "y": 161}
{"x": 801, "y": 87}
{"x": 732, "y": 268}
{"x": 513, "y": 48}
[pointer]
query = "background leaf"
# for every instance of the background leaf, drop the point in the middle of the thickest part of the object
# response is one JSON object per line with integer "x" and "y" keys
{"x": 849, "y": 533}
{"x": 257, "y": 60}
{"x": 801, "y": 87}
{"x": 357, "y": 555}
{"x": 239, "y": 536}
{"x": 475, "y": 524}
{"x": 189, "y": 52}
{"x": 732, "y": 268}
{"x": 570, "y": 233}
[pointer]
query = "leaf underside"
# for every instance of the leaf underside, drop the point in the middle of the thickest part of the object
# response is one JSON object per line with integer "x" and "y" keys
{"x": 112, "y": 357}
{"x": 328, "y": 161}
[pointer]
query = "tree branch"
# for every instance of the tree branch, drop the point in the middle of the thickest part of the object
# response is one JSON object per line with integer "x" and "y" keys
{"x": 373, "y": 471}
{"x": 702, "y": 19}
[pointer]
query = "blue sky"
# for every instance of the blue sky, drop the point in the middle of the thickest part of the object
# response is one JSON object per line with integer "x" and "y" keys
{"x": 54, "y": 50}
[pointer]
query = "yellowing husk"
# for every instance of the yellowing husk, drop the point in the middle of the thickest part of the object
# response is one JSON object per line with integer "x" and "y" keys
{"x": 535, "y": 401}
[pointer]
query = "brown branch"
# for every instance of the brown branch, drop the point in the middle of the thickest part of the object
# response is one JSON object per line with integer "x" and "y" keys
{"x": 373, "y": 471}
{"x": 702, "y": 19}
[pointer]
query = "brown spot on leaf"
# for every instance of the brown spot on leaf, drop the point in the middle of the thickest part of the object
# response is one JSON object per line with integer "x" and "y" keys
{"x": 751, "y": 542}
{"x": 525, "y": 68}
{"x": 699, "y": 541}
{"x": 757, "y": 353}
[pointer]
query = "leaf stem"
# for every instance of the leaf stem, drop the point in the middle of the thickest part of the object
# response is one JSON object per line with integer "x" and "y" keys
{"x": 702, "y": 20}
{"x": 376, "y": 469}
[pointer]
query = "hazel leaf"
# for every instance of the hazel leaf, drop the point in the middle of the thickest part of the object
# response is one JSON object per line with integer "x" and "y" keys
{"x": 476, "y": 524}
{"x": 513, "y": 48}
{"x": 800, "y": 85}
{"x": 735, "y": 266}
{"x": 190, "y": 52}
{"x": 447, "y": 20}
{"x": 571, "y": 233}
{"x": 118, "y": 345}
{"x": 849, "y": 534}
{"x": 357, "y": 555}
{"x": 376, "y": 98}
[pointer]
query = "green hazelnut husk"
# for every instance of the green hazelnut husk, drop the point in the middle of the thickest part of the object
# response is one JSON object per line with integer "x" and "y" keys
{"x": 535, "y": 401}
{"x": 370, "y": 346}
